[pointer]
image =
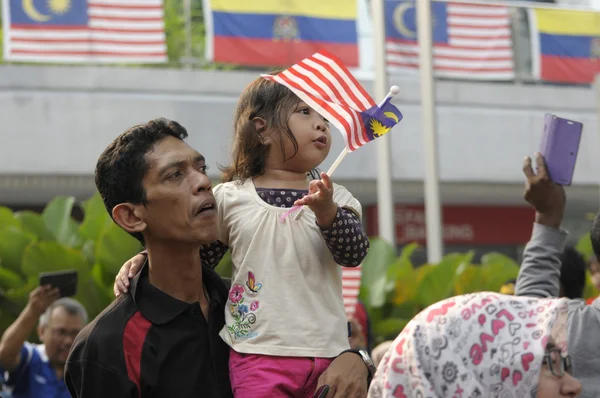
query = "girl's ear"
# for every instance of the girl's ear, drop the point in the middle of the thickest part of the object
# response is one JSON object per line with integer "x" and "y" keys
{"x": 259, "y": 124}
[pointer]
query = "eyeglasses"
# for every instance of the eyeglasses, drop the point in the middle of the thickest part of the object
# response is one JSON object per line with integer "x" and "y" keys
{"x": 62, "y": 333}
{"x": 558, "y": 364}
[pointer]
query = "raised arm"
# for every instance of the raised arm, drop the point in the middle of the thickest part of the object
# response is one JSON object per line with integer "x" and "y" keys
{"x": 540, "y": 271}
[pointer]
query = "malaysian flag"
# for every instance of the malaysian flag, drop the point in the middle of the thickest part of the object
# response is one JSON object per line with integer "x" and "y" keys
{"x": 351, "y": 288}
{"x": 327, "y": 86}
{"x": 469, "y": 41}
{"x": 95, "y": 31}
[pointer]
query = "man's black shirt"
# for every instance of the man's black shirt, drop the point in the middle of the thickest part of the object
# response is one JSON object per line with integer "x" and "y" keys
{"x": 149, "y": 344}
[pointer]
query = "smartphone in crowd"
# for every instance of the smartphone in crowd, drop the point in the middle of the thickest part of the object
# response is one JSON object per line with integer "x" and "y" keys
{"x": 559, "y": 146}
{"x": 65, "y": 281}
{"x": 322, "y": 392}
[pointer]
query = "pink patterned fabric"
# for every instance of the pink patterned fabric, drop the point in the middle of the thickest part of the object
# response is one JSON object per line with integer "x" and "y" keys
{"x": 475, "y": 345}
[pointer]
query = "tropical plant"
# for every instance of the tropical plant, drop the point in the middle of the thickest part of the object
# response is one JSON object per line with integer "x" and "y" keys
{"x": 584, "y": 246}
{"x": 32, "y": 243}
{"x": 394, "y": 290}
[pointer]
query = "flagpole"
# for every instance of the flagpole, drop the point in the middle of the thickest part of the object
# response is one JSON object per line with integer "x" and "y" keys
{"x": 433, "y": 216}
{"x": 187, "y": 16}
{"x": 385, "y": 200}
{"x": 597, "y": 90}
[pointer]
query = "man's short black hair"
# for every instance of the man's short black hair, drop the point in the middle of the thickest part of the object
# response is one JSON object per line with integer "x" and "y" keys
{"x": 572, "y": 273}
{"x": 122, "y": 166}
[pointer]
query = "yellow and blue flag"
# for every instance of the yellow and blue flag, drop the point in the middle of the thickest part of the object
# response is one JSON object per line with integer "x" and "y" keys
{"x": 280, "y": 33}
{"x": 566, "y": 45}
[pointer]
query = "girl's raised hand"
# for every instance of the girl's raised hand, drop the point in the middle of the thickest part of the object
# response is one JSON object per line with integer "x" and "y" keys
{"x": 320, "y": 201}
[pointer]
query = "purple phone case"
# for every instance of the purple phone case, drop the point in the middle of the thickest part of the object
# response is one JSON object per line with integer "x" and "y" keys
{"x": 559, "y": 146}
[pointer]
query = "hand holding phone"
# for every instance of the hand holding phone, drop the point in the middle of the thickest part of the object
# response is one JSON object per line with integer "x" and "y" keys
{"x": 323, "y": 391}
{"x": 65, "y": 281}
{"x": 559, "y": 146}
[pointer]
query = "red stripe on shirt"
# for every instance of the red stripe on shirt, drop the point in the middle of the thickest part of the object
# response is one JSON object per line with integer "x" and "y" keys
{"x": 134, "y": 337}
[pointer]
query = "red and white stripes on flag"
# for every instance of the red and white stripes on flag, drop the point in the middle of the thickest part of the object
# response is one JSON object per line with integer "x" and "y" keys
{"x": 326, "y": 85}
{"x": 351, "y": 288}
{"x": 479, "y": 45}
{"x": 117, "y": 31}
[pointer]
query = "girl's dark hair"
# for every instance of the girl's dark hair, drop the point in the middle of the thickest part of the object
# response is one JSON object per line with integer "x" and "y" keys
{"x": 272, "y": 102}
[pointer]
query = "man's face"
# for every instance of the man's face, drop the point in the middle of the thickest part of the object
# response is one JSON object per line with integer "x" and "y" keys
{"x": 58, "y": 335}
{"x": 180, "y": 205}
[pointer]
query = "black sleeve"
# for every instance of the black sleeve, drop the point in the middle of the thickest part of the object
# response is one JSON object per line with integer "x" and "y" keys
{"x": 86, "y": 379}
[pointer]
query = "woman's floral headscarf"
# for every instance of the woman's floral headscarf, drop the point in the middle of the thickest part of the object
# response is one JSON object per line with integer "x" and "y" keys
{"x": 475, "y": 345}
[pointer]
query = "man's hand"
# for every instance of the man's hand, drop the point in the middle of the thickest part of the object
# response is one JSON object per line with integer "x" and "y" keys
{"x": 346, "y": 376}
{"x": 41, "y": 298}
{"x": 357, "y": 338}
{"x": 547, "y": 198}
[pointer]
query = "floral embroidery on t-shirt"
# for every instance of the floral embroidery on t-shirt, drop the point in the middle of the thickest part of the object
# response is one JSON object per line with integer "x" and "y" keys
{"x": 242, "y": 310}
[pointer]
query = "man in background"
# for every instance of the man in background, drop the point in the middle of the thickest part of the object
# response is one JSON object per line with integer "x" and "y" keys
{"x": 36, "y": 370}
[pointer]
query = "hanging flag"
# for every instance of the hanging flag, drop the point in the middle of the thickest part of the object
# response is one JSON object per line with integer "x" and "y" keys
{"x": 469, "y": 41}
{"x": 351, "y": 277}
{"x": 94, "y": 31}
{"x": 326, "y": 85}
{"x": 565, "y": 45}
{"x": 271, "y": 33}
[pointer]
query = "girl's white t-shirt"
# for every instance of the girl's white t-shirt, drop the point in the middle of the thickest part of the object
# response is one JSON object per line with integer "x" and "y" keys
{"x": 286, "y": 292}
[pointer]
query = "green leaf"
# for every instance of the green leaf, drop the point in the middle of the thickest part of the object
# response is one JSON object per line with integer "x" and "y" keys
{"x": 495, "y": 275}
{"x": 35, "y": 224}
{"x": 469, "y": 281}
{"x": 57, "y": 216}
{"x": 584, "y": 246}
{"x": 20, "y": 295}
{"x": 7, "y": 218}
{"x": 92, "y": 295}
{"x": 9, "y": 279}
{"x": 96, "y": 218}
{"x": 406, "y": 310}
{"x": 225, "y": 266}
{"x": 374, "y": 270}
{"x": 590, "y": 290}
{"x": 88, "y": 251}
{"x": 115, "y": 247}
{"x": 390, "y": 328}
{"x": 403, "y": 264}
{"x": 498, "y": 259}
{"x": 52, "y": 256}
{"x": 439, "y": 283}
{"x": 13, "y": 243}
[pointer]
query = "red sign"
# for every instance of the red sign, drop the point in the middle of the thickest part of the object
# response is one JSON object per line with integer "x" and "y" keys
{"x": 478, "y": 225}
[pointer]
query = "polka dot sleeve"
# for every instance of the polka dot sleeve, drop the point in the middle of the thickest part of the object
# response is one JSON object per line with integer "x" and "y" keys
{"x": 212, "y": 253}
{"x": 346, "y": 239}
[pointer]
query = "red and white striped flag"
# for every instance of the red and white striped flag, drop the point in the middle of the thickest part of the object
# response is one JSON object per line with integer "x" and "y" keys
{"x": 327, "y": 86}
{"x": 94, "y": 31}
{"x": 470, "y": 41}
{"x": 351, "y": 287}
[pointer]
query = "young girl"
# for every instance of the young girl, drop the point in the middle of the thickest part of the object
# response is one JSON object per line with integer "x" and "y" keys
{"x": 285, "y": 317}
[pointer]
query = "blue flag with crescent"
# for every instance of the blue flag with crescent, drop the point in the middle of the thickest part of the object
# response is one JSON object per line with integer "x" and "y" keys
{"x": 401, "y": 21}
{"x": 67, "y": 13}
